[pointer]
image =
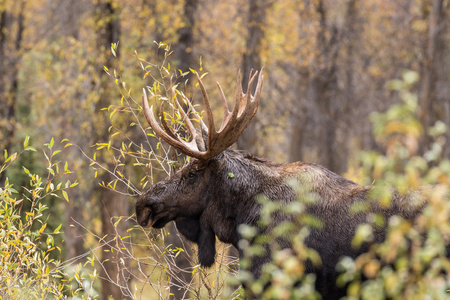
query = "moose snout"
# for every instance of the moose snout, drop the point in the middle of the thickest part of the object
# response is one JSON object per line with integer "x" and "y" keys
{"x": 147, "y": 209}
{"x": 151, "y": 204}
{"x": 143, "y": 215}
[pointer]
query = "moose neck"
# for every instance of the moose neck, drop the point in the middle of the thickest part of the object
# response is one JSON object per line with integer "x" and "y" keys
{"x": 247, "y": 177}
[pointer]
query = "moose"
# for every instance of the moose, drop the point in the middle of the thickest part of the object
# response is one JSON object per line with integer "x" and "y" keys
{"x": 206, "y": 202}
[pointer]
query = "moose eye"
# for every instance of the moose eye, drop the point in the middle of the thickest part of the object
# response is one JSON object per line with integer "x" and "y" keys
{"x": 192, "y": 177}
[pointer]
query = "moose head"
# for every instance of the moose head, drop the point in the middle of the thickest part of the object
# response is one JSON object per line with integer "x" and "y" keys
{"x": 202, "y": 192}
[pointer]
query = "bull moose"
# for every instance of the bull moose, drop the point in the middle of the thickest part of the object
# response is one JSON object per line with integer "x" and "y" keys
{"x": 206, "y": 202}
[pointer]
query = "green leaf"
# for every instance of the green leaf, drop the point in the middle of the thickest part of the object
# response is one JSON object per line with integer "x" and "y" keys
{"x": 231, "y": 175}
{"x": 12, "y": 157}
{"x": 52, "y": 141}
{"x": 117, "y": 222}
{"x": 57, "y": 229}
{"x": 26, "y": 170}
{"x": 25, "y": 143}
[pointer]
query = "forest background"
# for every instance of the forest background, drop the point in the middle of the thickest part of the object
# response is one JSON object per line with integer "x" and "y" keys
{"x": 66, "y": 67}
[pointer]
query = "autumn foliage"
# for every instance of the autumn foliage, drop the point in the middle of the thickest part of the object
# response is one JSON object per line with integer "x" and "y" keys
{"x": 360, "y": 87}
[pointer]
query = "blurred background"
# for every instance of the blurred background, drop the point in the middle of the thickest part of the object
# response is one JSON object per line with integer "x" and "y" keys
{"x": 327, "y": 64}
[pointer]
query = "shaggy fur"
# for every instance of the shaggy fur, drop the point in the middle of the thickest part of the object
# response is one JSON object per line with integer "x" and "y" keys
{"x": 206, "y": 202}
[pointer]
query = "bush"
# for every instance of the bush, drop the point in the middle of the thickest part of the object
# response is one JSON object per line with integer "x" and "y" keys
{"x": 411, "y": 263}
{"x": 28, "y": 268}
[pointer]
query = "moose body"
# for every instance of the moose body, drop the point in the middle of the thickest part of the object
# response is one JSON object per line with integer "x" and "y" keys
{"x": 206, "y": 201}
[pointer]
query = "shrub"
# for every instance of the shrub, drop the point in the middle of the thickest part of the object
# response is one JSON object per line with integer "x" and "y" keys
{"x": 28, "y": 267}
{"x": 411, "y": 263}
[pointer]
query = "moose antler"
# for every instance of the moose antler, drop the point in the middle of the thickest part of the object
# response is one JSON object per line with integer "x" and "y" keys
{"x": 234, "y": 123}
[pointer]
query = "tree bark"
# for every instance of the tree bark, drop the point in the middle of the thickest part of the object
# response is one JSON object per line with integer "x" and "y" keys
{"x": 114, "y": 273}
{"x": 181, "y": 274}
{"x": 433, "y": 107}
{"x": 313, "y": 134}
{"x": 65, "y": 17}
{"x": 315, "y": 119}
{"x": 183, "y": 49}
{"x": 428, "y": 77}
{"x": 73, "y": 233}
{"x": 256, "y": 19}
{"x": 114, "y": 278}
{"x": 10, "y": 55}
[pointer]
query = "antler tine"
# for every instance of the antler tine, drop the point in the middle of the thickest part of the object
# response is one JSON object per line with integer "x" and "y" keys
{"x": 226, "y": 111}
{"x": 230, "y": 117}
{"x": 211, "y": 126}
{"x": 252, "y": 102}
{"x": 243, "y": 101}
{"x": 185, "y": 117}
{"x": 197, "y": 116}
{"x": 173, "y": 140}
{"x": 244, "y": 111}
{"x": 246, "y": 98}
{"x": 239, "y": 94}
{"x": 198, "y": 139}
{"x": 164, "y": 123}
{"x": 234, "y": 123}
{"x": 258, "y": 89}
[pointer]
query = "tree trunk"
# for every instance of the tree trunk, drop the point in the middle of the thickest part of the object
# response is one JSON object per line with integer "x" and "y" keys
{"x": 181, "y": 274}
{"x": 252, "y": 60}
{"x": 114, "y": 273}
{"x": 73, "y": 233}
{"x": 313, "y": 134}
{"x": 10, "y": 55}
{"x": 318, "y": 113}
{"x": 65, "y": 16}
{"x": 183, "y": 49}
{"x": 434, "y": 107}
{"x": 114, "y": 277}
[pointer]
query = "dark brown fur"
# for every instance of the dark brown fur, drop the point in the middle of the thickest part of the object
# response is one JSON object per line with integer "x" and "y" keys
{"x": 206, "y": 202}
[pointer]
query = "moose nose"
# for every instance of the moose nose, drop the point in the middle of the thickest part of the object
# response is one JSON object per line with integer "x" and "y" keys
{"x": 143, "y": 217}
{"x": 143, "y": 213}
{"x": 143, "y": 223}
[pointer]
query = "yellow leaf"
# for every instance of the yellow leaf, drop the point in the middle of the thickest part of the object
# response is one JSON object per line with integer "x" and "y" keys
{"x": 65, "y": 195}
{"x": 43, "y": 227}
